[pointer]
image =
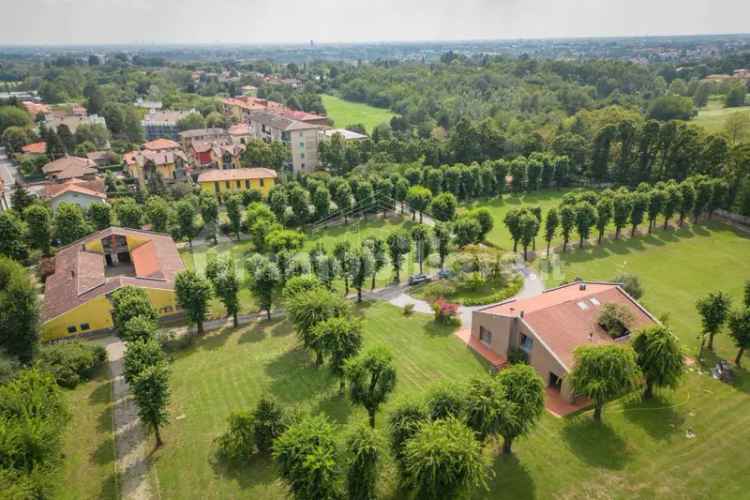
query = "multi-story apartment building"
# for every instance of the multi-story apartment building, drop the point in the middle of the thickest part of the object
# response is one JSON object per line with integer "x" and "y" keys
{"x": 302, "y": 138}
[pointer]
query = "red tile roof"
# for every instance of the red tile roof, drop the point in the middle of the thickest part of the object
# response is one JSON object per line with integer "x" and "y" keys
{"x": 80, "y": 274}
{"x": 565, "y": 318}
{"x": 69, "y": 167}
{"x": 239, "y": 129}
{"x": 236, "y": 174}
{"x": 34, "y": 108}
{"x": 37, "y": 148}
{"x": 160, "y": 144}
{"x": 73, "y": 187}
{"x": 97, "y": 185}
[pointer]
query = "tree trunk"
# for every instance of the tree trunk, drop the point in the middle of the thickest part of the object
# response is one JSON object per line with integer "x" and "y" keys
{"x": 525, "y": 253}
{"x": 601, "y": 235}
{"x": 371, "y": 414}
{"x": 420, "y": 216}
{"x": 342, "y": 385}
{"x": 268, "y": 314}
{"x": 200, "y": 328}
{"x": 580, "y": 245}
{"x": 515, "y": 245}
{"x": 666, "y": 223}
{"x": 565, "y": 245}
{"x": 711, "y": 341}
{"x": 373, "y": 280}
{"x": 346, "y": 286}
{"x": 700, "y": 348}
{"x": 318, "y": 358}
{"x": 507, "y": 446}
{"x": 739, "y": 356}
{"x": 548, "y": 245}
{"x": 598, "y": 412}
{"x": 632, "y": 231}
{"x": 648, "y": 393}
{"x": 421, "y": 263}
{"x": 359, "y": 294}
{"x": 402, "y": 208}
{"x": 398, "y": 275}
{"x": 235, "y": 319}
{"x": 617, "y": 233}
{"x": 159, "y": 441}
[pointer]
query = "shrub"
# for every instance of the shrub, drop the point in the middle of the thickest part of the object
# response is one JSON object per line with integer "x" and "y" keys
{"x": 269, "y": 422}
{"x": 615, "y": 320}
{"x": 238, "y": 442}
{"x": 474, "y": 281}
{"x": 71, "y": 362}
{"x": 631, "y": 284}
{"x": 408, "y": 309}
{"x": 445, "y": 312}
{"x": 438, "y": 289}
{"x": 516, "y": 355}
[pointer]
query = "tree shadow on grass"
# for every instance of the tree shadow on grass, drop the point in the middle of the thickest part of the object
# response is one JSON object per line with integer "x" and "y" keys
{"x": 511, "y": 476}
{"x": 104, "y": 421}
{"x": 103, "y": 392}
{"x": 596, "y": 443}
{"x": 657, "y": 416}
{"x": 435, "y": 329}
{"x": 215, "y": 340}
{"x": 104, "y": 453}
{"x": 336, "y": 406}
{"x": 110, "y": 487}
{"x": 295, "y": 378}
{"x": 259, "y": 470}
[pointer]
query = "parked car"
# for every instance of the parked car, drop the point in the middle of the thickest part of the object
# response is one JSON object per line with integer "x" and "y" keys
{"x": 444, "y": 274}
{"x": 418, "y": 279}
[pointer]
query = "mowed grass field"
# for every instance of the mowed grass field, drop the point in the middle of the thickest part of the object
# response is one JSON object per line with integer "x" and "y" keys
{"x": 676, "y": 268}
{"x": 713, "y": 116}
{"x": 89, "y": 464}
{"x": 641, "y": 450}
{"x": 345, "y": 113}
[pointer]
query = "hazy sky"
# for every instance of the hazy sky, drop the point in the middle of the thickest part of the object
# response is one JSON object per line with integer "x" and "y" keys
{"x": 272, "y": 21}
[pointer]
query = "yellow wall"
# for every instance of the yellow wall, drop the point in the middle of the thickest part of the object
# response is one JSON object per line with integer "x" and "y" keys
{"x": 167, "y": 172}
{"x": 233, "y": 188}
{"x": 94, "y": 246}
{"x": 97, "y": 312}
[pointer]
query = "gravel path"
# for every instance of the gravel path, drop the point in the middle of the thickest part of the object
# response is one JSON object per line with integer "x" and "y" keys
{"x": 132, "y": 447}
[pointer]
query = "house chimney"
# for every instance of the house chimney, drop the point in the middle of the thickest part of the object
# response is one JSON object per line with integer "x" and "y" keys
{"x": 582, "y": 286}
{"x": 522, "y": 314}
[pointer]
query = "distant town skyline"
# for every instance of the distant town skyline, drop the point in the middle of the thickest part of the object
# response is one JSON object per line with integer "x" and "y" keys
{"x": 70, "y": 22}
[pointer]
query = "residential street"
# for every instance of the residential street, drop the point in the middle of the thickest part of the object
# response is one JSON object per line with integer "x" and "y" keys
{"x": 8, "y": 173}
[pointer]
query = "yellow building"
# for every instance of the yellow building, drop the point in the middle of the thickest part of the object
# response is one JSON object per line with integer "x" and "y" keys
{"x": 88, "y": 271}
{"x": 142, "y": 165}
{"x": 221, "y": 182}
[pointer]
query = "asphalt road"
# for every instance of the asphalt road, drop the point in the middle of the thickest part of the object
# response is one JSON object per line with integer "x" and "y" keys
{"x": 8, "y": 173}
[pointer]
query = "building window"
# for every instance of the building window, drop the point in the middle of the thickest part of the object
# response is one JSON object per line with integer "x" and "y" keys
{"x": 227, "y": 184}
{"x": 261, "y": 182}
{"x": 239, "y": 185}
{"x": 72, "y": 329}
{"x": 85, "y": 326}
{"x": 216, "y": 188}
{"x": 485, "y": 336}
{"x": 247, "y": 184}
{"x": 302, "y": 155}
{"x": 527, "y": 343}
{"x": 302, "y": 145}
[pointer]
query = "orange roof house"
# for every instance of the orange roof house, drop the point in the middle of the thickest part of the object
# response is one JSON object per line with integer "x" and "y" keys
{"x": 169, "y": 163}
{"x": 36, "y": 148}
{"x": 161, "y": 145}
{"x": 70, "y": 167}
{"x": 80, "y": 192}
{"x": 220, "y": 182}
{"x": 88, "y": 271}
{"x": 551, "y": 326}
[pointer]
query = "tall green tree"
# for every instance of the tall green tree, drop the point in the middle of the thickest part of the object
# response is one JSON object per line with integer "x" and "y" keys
{"x": 341, "y": 339}
{"x": 307, "y": 458}
{"x": 309, "y": 308}
{"x": 186, "y": 220}
{"x": 585, "y": 219}
{"x": 714, "y": 310}
{"x": 603, "y": 373}
{"x": 567, "y": 223}
{"x": 151, "y": 394}
{"x": 263, "y": 278}
{"x": 523, "y": 389}
{"x": 659, "y": 357}
{"x": 638, "y": 206}
{"x": 361, "y": 268}
{"x": 443, "y": 459}
{"x": 656, "y": 201}
{"x": 233, "y": 204}
{"x": 399, "y": 244}
{"x": 371, "y": 377}
{"x": 603, "y": 216}
{"x": 529, "y": 228}
{"x": 157, "y": 213}
{"x": 129, "y": 302}
{"x": 209, "y": 208}
{"x": 444, "y": 207}
{"x": 139, "y": 355}
{"x": 129, "y": 213}
{"x": 378, "y": 249}
{"x": 551, "y": 223}
{"x": 739, "y": 330}
{"x": 70, "y": 224}
{"x": 487, "y": 407}
{"x": 19, "y": 311}
{"x": 621, "y": 207}
{"x": 363, "y": 449}
{"x": 39, "y": 221}
{"x": 226, "y": 285}
{"x": 442, "y": 234}
{"x": 419, "y": 198}
{"x": 100, "y": 215}
{"x": 193, "y": 294}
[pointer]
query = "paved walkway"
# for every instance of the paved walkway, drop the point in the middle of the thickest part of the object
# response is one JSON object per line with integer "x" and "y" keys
{"x": 131, "y": 441}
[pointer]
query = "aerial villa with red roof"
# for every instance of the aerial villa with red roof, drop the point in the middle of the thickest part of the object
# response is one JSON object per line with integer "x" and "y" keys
{"x": 88, "y": 271}
{"x": 549, "y": 327}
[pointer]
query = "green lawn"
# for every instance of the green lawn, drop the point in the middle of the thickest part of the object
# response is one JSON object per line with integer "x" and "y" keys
{"x": 89, "y": 469}
{"x": 713, "y": 116}
{"x": 641, "y": 451}
{"x": 345, "y": 113}
{"x": 229, "y": 370}
{"x": 676, "y": 268}
{"x": 499, "y": 206}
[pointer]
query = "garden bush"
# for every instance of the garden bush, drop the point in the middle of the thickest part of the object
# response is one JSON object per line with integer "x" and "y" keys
{"x": 71, "y": 362}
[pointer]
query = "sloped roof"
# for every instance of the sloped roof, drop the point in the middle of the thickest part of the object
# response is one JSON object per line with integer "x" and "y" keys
{"x": 239, "y": 129}
{"x": 566, "y": 317}
{"x": 77, "y": 188}
{"x": 160, "y": 144}
{"x": 200, "y": 132}
{"x": 162, "y": 157}
{"x": 36, "y": 148}
{"x": 278, "y": 121}
{"x": 96, "y": 185}
{"x": 69, "y": 167}
{"x": 80, "y": 274}
{"x": 236, "y": 174}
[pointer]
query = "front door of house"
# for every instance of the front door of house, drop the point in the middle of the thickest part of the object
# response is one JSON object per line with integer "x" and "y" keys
{"x": 555, "y": 382}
